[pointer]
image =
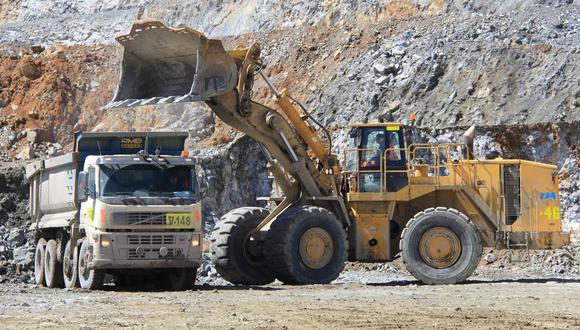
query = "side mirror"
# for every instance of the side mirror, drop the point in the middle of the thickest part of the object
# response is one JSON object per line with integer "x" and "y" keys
{"x": 83, "y": 186}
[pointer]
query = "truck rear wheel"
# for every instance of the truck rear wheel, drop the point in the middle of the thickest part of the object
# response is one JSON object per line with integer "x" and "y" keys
{"x": 52, "y": 268}
{"x": 70, "y": 261}
{"x": 89, "y": 278}
{"x": 237, "y": 257}
{"x": 306, "y": 245}
{"x": 39, "y": 256}
{"x": 441, "y": 246}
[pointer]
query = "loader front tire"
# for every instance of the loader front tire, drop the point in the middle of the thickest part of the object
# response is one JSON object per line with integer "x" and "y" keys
{"x": 236, "y": 256}
{"x": 306, "y": 245}
{"x": 441, "y": 246}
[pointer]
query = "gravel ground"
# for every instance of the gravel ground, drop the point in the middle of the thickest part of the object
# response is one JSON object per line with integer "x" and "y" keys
{"x": 369, "y": 299}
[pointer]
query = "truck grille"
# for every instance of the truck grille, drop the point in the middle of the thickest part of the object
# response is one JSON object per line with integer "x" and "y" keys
{"x": 154, "y": 253}
{"x": 139, "y": 218}
{"x": 150, "y": 239}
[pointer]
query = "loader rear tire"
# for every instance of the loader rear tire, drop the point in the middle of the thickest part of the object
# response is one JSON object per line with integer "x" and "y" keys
{"x": 441, "y": 246}
{"x": 39, "y": 256}
{"x": 237, "y": 257}
{"x": 306, "y": 245}
{"x": 52, "y": 268}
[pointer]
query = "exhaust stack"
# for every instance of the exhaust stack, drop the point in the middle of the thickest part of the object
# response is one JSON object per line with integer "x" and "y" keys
{"x": 167, "y": 65}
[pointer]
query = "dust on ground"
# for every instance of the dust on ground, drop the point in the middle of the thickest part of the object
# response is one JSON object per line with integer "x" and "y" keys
{"x": 378, "y": 301}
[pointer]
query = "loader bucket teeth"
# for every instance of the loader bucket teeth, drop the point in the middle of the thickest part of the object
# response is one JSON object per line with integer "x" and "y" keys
{"x": 167, "y": 65}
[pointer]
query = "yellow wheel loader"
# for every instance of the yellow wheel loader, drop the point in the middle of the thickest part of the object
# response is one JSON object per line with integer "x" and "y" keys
{"x": 383, "y": 196}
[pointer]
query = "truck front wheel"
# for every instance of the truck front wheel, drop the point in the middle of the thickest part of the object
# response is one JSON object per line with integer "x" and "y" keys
{"x": 89, "y": 278}
{"x": 440, "y": 246}
{"x": 39, "y": 257}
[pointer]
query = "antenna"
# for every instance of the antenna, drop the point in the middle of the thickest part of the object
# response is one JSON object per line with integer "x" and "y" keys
{"x": 99, "y": 146}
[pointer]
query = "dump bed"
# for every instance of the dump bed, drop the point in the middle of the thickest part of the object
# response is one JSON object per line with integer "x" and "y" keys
{"x": 53, "y": 190}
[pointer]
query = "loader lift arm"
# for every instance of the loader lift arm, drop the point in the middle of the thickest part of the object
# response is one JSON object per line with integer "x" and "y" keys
{"x": 167, "y": 65}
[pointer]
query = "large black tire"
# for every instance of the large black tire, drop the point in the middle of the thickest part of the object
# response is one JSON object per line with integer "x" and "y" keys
{"x": 449, "y": 219}
{"x": 283, "y": 246}
{"x": 52, "y": 268}
{"x": 70, "y": 265}
{"x": 39, "y": 257}
{"x": 89, "y": 278}
{"x": 236, "y": 258}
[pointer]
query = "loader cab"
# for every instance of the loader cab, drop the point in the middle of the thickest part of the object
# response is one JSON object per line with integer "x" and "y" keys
{"x": 377, "y": 153}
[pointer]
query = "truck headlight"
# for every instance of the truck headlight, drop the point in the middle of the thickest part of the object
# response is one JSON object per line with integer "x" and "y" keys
{"x": 195, "y": 240}
{"x": 105, "y": 242}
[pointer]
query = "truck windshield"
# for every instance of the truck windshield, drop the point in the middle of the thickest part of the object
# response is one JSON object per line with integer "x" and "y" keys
{"x": 142, "y": 180}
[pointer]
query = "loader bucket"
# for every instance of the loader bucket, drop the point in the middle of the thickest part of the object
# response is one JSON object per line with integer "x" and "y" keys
{"x": 167, "y": 65}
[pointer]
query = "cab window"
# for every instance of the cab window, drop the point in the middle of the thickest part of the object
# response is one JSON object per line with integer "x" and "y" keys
{"x": 374, "y": 141}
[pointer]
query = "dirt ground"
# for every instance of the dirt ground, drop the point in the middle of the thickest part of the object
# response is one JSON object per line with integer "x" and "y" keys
{"x": 358, "y": 299}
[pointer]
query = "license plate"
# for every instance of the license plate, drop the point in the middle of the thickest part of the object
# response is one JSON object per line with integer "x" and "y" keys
{"x": 179, "y": 220}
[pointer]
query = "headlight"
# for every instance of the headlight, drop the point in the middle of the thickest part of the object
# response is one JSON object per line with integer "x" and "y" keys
{"x": 105, "y": 242}
{"x": 195, "y": 240}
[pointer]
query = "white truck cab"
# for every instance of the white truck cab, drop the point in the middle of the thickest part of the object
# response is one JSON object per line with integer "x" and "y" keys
{"x": 122, "y": 203}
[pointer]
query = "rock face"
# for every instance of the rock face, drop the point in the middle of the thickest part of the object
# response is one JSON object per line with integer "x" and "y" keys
{"x": 16, "y": 246}
{"x": 509, "y": 67}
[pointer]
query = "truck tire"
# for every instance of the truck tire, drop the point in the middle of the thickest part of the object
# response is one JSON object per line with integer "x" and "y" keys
{"x": 441, "y": 246}
{"x": 70, "y": 265}
{"x": 306, "y": 245}
{"x": 89, "y": 278}
{"x": 236, "y": 258}
{"x": 39, "y": 257}
{"x": 52, "y": 268}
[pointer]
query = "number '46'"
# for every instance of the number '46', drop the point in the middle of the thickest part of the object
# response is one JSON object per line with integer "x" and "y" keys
{"x": 552, "y": 212}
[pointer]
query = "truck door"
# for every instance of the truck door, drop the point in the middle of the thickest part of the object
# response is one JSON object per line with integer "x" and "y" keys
{"x": 88, "y": 206}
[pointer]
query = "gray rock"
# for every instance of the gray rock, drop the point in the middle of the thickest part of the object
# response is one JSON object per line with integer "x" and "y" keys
{"x": 379, "y": 68}
{"x": 382, "y": 80}
{"x": 24, "y": 257}
{"x": 16, "y": 237}
{"x": 490, "y": 258}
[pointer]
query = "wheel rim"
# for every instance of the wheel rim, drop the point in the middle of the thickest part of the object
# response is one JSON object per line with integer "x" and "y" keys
{"x": 440, "y": 247}
{"x": 68, "y": 262}
{"x": 252, "y": 250}
{"x": 48, "y": 262}
{"x": 316, "y": 248}
{"x": 38, "y": 262}
{"x": 84, "y": 261}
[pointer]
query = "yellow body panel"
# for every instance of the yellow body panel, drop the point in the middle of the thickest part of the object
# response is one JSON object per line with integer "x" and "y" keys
{"x": 477, "y": 189}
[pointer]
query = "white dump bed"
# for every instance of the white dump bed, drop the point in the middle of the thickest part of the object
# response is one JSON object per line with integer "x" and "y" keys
{"x": 53, "y": 190}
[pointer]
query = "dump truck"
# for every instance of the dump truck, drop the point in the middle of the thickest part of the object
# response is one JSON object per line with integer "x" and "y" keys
{"x": 384, "y": 196}
{"x": 125, "y": 204}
